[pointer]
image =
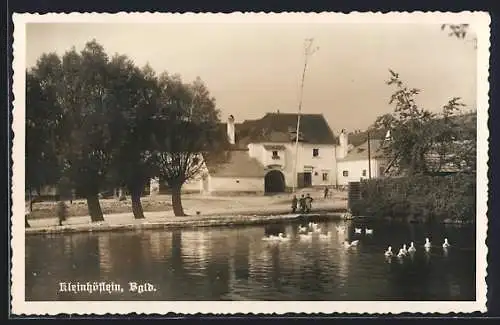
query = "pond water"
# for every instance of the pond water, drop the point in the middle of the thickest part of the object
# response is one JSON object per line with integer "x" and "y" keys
{"x": 237, "y": 264}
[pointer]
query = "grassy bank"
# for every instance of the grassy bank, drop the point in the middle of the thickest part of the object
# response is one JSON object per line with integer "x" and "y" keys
{"x": 47, "y": 209}
{"x": 419, "y": 198}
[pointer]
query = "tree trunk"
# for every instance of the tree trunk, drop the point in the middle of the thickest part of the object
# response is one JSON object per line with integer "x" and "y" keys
{"x": 176, "y": 201}
{"x": 94, "y": 207}
{"x": 30, "y": 198}
{"x": 136, "y": 204}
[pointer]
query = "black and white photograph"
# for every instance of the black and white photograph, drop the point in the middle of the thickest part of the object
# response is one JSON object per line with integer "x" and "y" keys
{"x": 184, "y": 161}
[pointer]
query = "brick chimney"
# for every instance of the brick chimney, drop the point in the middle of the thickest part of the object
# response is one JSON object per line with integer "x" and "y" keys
{"x": 230, "y": 129}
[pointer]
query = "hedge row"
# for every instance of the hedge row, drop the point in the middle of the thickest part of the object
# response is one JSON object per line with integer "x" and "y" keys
{"x": 431, "y": 198}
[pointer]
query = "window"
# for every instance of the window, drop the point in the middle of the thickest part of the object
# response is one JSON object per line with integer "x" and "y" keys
{"x": 345, "y": 173}
{"x": 275, "y": 155}
{"x": 325, "y": 177}
{"x": 364, "y": 172}
{"x": 315, "y": 152}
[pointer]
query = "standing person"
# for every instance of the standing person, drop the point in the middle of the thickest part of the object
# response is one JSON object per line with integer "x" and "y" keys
{"x": 294, "y": 204}
{"x": 308, "y": 201}
{"x": 61, "y": 212}
{"x": 326, "y": 192}
{"x": 302, "y": 203}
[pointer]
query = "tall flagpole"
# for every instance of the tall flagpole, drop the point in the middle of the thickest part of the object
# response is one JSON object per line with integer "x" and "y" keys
{"x": 369, "y": 157}
{"x": 309, "y": 50}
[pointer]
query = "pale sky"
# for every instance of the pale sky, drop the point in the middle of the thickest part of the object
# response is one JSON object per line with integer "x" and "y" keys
{"x": 252, "y": 69}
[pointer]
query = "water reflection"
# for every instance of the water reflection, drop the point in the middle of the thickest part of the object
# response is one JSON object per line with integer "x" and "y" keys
{"x": 236, "y": 264}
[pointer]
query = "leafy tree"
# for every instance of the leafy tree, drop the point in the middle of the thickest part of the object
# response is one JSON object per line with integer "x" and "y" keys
{"x": 43, "y": 120}
{"x": 457, "y": 30}
{"x": 106, "y": 122}
{"x": 186, "y": 130}
{"x": 423, "y": 142}
{"x": 131, "y": 105}
{"x": 86, "y": 146}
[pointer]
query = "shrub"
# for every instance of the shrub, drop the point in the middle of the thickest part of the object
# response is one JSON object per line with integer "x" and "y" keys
{"x": 427, "y": 197}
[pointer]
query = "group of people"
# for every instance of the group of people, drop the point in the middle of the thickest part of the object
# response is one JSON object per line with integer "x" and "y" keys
{"x": 305, "y": 203}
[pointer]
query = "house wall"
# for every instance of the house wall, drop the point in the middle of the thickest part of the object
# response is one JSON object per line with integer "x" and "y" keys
{"x": 235, "y": 184}
{"x": 355, "y": 169}
{"x": 325, "y": 162}
{"x": 193, "y": 185}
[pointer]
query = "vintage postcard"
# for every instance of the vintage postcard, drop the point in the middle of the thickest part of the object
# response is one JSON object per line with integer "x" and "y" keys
{"x": 249, "y": 163}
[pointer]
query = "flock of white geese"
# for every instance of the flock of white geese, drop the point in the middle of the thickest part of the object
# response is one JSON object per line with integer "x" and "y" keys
{"x": 404, "y": 251}
{"x": 306, "y": 233}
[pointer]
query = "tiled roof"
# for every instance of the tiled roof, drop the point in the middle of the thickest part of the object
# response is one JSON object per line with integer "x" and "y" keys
{"x": 361, "y": 152}
{"x": 281, "y": 127}
{"x": 236, "y": 163}
{"x": 274, "y": 147}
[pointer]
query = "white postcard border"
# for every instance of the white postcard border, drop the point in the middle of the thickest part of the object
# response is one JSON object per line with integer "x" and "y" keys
{"x": 479, "y": 23}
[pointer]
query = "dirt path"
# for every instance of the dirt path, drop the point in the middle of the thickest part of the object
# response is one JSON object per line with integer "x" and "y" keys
{"x": 212, "y": 211}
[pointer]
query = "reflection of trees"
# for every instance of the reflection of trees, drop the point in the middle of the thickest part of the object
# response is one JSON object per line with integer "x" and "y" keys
{"x": 104, "y": 254}
{"x": 156, "y": 243}
{"x": 275, "y": 268}
{"x": 195, "y": 249}
{"x": 44, "y": 258}
{"x": 85, "y": 257}
{"x": 130, "y": 257}
{"x": 242, "y": 258}
{"x": 218, "y": 267}
{"x": 176, "y": 257}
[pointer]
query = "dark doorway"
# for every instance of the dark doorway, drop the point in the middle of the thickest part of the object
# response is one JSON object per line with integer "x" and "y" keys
{"x": 304, "y": 179}
{"x": 274, "y": 182}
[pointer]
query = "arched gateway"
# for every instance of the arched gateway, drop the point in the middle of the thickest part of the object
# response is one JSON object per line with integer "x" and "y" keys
{"x": 274, "y": 182}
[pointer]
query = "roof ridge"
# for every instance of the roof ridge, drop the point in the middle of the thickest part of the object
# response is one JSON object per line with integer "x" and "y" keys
{"x": 288, "y": 113}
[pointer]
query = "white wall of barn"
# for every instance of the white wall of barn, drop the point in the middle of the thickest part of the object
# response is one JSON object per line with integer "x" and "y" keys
{"x": 355, "y": 170}
{"x": 235, "y": 184}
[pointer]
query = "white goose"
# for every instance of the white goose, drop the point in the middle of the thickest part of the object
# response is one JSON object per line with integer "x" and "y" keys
{"x": 401, "y": 254}
{"x": 446, "y": 244}
{"x": 412, "y": 248}
{"x": 313, "y": 225}
{"x": 369, "y": 231}
{"x": 427, "y": 243}
{"x": 357, "y": 230}
{"x": 302, "y": 229}
{"x": 351, "y": 244}
{"x": 404, "y": 250}
{"x": 388, "y": 252}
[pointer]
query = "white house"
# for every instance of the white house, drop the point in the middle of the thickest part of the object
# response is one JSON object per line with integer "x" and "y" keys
{"x": 264, "y": 154}
{"x": 272, "y": 141}
{"x": 356, "y": 163}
